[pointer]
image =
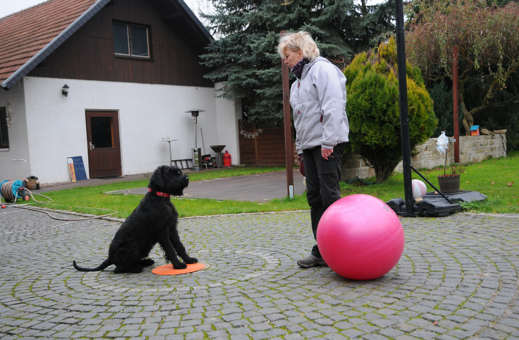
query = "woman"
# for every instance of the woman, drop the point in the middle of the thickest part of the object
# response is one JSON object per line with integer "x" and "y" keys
{"x": 318, "y": 100}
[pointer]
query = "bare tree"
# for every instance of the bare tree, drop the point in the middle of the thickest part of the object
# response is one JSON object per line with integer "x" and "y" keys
{"x": 487, "y": 38}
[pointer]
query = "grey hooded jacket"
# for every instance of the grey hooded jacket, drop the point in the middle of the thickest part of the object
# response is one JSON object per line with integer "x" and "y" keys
{"x": 318, "y": 102}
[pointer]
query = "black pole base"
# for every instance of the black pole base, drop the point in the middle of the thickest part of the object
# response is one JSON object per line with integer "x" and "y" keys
{"x": 424, "y": 208}
{"x": 435, "y": 205}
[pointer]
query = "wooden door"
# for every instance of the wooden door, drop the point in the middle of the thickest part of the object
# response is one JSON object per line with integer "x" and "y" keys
{"x": 104, "y": 153}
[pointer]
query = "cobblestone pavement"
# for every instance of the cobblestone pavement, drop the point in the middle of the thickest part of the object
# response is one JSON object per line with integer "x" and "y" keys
{"x": 457, "y": 279}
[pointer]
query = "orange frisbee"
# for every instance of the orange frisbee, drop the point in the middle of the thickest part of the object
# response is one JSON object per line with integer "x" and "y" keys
{"x": 168, "y": 269}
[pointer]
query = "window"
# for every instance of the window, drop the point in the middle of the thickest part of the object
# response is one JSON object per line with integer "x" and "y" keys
{"x": 102, "y": 132}
{"x": 4, "y": 135}
{"x": 131, "y": 40}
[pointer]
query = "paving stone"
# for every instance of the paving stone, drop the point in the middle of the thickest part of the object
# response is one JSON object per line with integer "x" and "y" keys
{"x": 456, "y": 279}
{"x": 352, "y": 333}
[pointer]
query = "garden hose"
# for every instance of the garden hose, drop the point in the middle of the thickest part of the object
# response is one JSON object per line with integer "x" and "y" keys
{"x": 59, "y": 218}
{"x": 9, "y": 190}
{"x": 356, "y": 178}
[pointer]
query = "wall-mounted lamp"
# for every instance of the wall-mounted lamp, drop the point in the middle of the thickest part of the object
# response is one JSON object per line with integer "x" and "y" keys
{"x": 64, "y": 90}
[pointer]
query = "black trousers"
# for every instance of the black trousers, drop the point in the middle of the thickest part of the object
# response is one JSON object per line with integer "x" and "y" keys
{"x": 322, "y": 183}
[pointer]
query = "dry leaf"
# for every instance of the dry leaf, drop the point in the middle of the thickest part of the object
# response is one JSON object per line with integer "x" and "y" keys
{"x": 466, "y": 181}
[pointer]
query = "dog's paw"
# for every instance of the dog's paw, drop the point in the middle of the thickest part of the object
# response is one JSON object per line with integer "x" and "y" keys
{"x": 190, "y": 260}
{"x": 180, "y": 265}
{"x": 146, "y": 262}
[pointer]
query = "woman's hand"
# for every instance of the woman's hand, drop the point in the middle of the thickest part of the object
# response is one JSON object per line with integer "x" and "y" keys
{"x": 326, "y": 152}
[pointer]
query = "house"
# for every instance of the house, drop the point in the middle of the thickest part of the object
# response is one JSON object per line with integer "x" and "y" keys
{"x": 110, "y": 81}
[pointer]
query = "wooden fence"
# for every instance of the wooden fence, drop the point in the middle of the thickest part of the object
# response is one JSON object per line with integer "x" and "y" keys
{"x": 263, "y": 144}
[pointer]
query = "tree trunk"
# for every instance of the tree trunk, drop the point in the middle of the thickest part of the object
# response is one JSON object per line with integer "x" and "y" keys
{"x": 383, "y": 170}
{"x": 468, "y": 119}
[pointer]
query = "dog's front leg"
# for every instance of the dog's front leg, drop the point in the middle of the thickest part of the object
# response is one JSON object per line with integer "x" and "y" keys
{"x": 181, "y": 250}
{"x": 171, "y": 255}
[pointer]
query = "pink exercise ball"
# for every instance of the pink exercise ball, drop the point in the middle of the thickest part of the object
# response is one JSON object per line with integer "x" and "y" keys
{"x": 360, "y": 237}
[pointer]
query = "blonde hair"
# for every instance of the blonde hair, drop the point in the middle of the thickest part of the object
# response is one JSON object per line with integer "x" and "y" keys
{"x": 298, "y": 41}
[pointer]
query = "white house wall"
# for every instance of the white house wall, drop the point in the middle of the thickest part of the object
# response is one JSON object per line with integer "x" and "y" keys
{"x": 17, "y": 170}
{"x": 146, "y": 114}
{"x": 228, "y": 113}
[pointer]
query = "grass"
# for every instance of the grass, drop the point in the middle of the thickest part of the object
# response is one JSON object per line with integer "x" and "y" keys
{"x": 494, "y": 178}
{"x": 96, "y": 201}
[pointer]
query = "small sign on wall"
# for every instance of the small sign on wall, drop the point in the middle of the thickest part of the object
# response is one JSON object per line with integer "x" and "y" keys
{"x": 76, "y": 168}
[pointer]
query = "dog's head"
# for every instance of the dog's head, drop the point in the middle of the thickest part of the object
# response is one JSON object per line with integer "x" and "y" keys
{"x": 169, "y": 179}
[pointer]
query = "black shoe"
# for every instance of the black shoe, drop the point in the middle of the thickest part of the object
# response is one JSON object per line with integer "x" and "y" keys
{"x": 311, "y": 261}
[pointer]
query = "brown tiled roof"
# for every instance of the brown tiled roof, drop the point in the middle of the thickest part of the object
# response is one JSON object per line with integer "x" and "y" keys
{"x": 24, "y": 34}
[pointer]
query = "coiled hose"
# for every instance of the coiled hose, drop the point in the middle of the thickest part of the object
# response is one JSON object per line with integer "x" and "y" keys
{"x": 9, "y": 190}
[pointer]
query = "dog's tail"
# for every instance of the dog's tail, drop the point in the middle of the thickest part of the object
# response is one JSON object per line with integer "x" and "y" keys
{"x": 102, "y": 266}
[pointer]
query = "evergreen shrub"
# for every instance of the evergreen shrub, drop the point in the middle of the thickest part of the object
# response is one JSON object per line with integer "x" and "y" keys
{"x": 373, "y": 108}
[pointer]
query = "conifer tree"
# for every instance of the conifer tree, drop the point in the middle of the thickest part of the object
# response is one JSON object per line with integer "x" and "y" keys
{"x": 245, "y": 60}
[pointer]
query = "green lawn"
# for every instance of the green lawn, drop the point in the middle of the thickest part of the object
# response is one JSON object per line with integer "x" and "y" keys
{"x": 495, "y": 178}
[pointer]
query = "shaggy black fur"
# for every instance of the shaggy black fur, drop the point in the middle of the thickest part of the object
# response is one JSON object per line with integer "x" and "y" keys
{"x": 153, "y": 221}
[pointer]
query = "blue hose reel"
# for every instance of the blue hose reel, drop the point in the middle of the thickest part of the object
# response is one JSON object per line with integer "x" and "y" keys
{"x": 9, "y": 190}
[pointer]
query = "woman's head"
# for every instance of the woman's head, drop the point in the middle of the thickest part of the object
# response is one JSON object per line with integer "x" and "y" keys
{"x": 301, "y": 43}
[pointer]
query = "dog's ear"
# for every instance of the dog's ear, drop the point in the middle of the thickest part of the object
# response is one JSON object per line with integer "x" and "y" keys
{"x": 164, "y": 172}
{"x": 158, "y": 179}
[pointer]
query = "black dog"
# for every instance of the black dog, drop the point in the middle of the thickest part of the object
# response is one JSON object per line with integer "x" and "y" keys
{"x": 153, "y": 221}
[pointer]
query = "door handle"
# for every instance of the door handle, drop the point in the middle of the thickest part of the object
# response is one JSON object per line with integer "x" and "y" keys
{"x": 92, "y": 147}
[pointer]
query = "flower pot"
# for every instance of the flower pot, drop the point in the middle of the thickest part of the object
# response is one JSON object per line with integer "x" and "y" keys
{"x": 449, "y": 184}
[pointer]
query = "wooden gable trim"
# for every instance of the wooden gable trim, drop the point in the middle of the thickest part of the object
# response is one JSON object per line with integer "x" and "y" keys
{"x": 194, "y": 18}
{"x": 53, "y": 45}
{"x": 197, "y": 35}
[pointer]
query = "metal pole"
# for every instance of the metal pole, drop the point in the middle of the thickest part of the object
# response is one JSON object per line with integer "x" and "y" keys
{"x": 289, "y": 162}
{"x": 404, "y": 117}
{"x": 195, "y": 135}
{"x": 170, "y": 158}
{"x": 455, "y": 104}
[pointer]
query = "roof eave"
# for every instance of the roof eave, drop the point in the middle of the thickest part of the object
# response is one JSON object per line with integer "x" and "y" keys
{"x": 195, "y": 19}
{"x": 53, "y": 45}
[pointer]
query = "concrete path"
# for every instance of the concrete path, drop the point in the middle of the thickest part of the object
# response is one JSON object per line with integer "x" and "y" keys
{"x": 457, "y": 279}
{"x": 260, "y": 187}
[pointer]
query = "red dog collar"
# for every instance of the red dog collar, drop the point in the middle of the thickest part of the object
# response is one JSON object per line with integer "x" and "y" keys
{"x": 158, "y": 193}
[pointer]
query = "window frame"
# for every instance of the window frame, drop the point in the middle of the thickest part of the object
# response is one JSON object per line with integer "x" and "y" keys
{"x": 129, "y": 40}
{"x": 3, "y": 123}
